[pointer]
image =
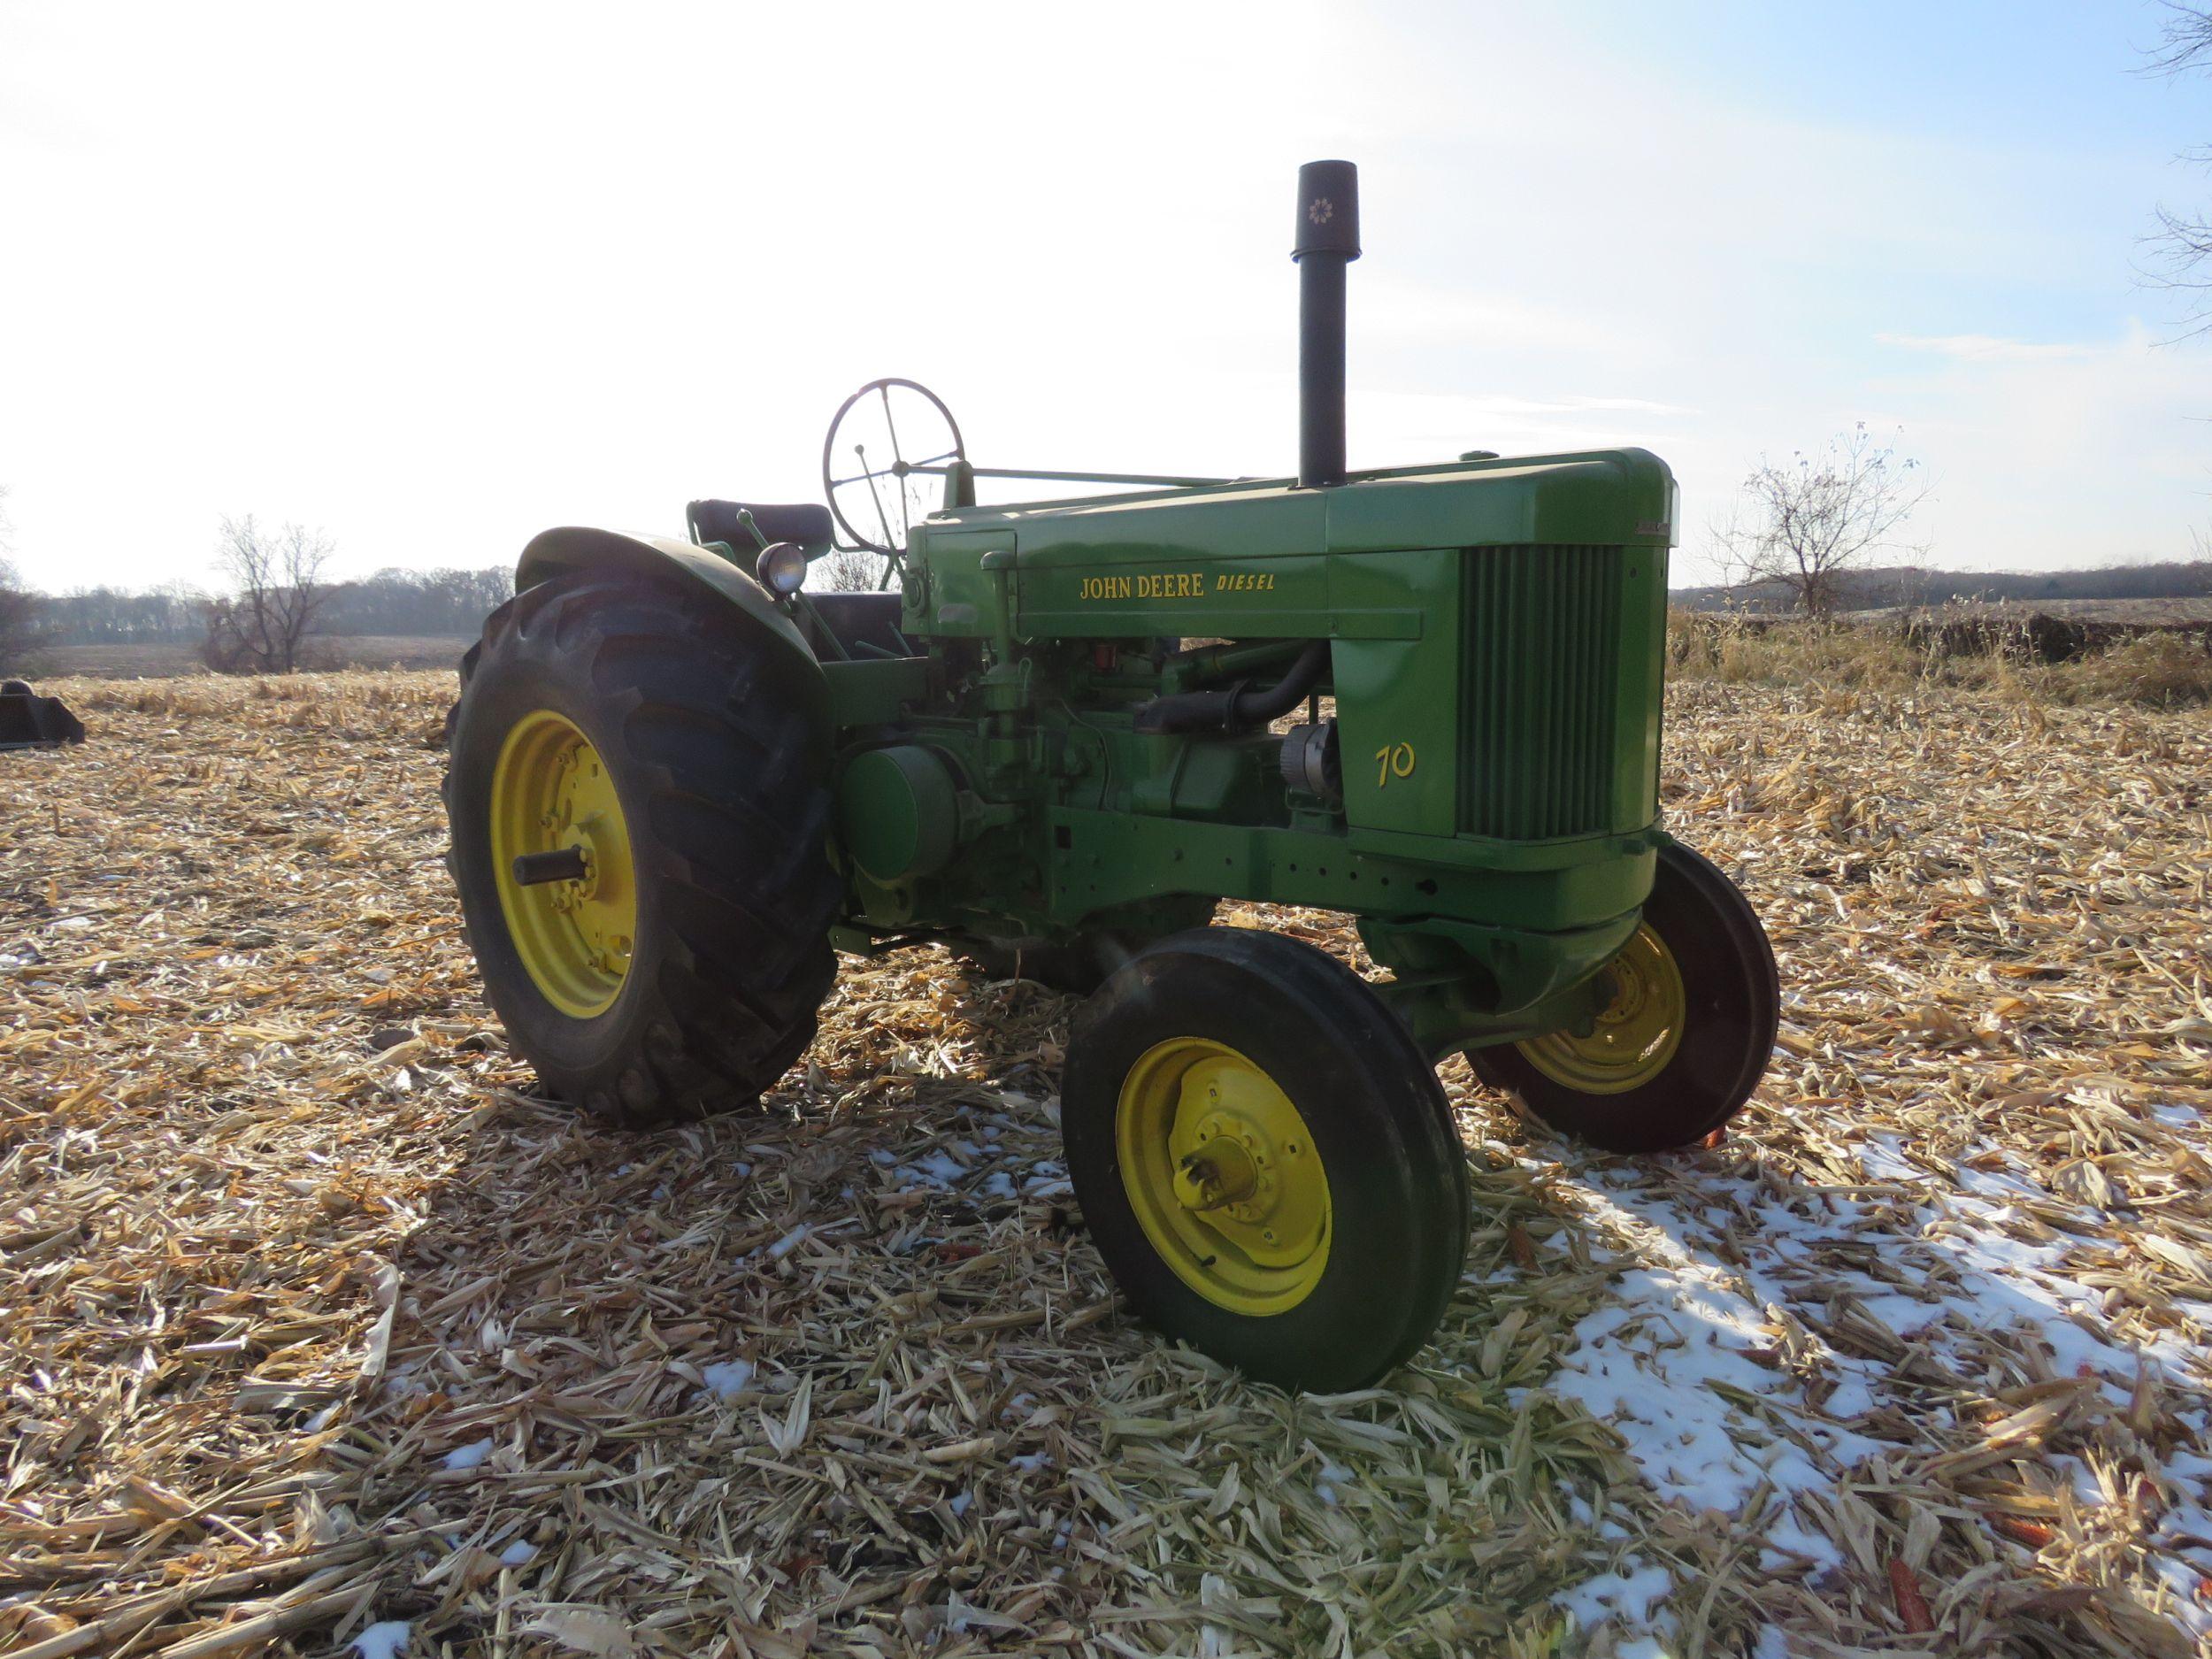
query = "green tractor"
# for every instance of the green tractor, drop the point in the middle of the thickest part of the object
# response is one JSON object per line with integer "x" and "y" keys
{"x": 1054, "y": 737}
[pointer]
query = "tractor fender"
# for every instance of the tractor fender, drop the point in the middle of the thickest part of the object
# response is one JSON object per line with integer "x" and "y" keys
{"x": 681, "y": 563}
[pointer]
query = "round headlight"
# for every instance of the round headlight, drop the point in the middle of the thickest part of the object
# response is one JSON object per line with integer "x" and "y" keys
{"x": 782, "y": 568}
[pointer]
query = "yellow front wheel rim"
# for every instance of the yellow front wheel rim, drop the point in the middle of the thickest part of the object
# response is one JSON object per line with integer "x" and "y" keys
{"x": 1224, "y": 1175}
{"x": 1634, "y": 1037}
{"x": 551, "y": 791}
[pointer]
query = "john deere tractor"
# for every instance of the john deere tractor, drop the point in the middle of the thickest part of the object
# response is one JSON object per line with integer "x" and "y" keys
{"x": 1053, "y": 737}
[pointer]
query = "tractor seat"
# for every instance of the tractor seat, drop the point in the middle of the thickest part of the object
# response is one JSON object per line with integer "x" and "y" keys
{"x": 802, "y": 522}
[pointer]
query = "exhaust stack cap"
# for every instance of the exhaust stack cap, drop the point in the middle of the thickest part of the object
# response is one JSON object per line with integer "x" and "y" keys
{"x": 1328, "y": 210}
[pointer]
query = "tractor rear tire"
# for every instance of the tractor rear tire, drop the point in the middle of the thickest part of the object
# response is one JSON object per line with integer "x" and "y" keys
{"x": 642, "y": 726}
{"x": 1687, "y": 1037}
{"x": 1264, "y": 1158}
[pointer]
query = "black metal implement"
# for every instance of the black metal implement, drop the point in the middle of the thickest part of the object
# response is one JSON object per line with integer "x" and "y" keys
{"x": 30, "y": 721}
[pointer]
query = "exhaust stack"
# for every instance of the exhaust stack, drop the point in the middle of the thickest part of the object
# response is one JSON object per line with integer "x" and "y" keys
{"x": 1327, "y": 241}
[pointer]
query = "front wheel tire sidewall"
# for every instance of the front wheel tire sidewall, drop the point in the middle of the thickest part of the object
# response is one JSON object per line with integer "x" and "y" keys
{"x": 1733, "y": 1011}
{"x": 1376, "y": 1116}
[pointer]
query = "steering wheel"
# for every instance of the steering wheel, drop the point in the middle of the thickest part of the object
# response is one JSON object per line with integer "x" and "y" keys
{"x": 876, "y": 500}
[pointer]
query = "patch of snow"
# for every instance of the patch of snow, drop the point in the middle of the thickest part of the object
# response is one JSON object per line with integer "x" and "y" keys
{"x": 1851, "y": 1398}
{"x": 1327, "y": 1479}
{"x": 727, "y": 1378}
{"x": 2002, "y": 1184}
{"x": 1881, "y": 1157}
{"x": 934, "y": 1169}
{"x": 382, "y": 1639}
{"x": 1968, "y": 1258}
{"x": 1630, "y": 1597}
{"x": 1658, "y": 1362}
{"x": 790, "y": 1241}
{"x": 521, "y": 1551}
{"x": 468, "y": 1456}
{"x": 2181, "y": 1579}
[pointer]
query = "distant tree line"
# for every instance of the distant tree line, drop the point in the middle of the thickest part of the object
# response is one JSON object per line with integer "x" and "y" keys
{"x": 436, "y": 602}
{"x": 1911, "y": 585}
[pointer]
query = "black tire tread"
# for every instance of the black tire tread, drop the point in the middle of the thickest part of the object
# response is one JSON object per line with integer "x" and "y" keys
{"x": 1663, "y": 1114}
{"x": 1313, "y": 993}
{"x": 739, "y": 982}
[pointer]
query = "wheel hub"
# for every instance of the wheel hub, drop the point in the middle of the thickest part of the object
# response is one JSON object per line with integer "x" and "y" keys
{"x": 1634, "y": 1037}
{"x": 1224, "y": 1175}
{"x": 1220, "y": 1173}
{"x": 551, "y": 792}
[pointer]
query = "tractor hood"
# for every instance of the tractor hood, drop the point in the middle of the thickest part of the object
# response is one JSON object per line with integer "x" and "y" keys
{"x": 1605, "y": 497}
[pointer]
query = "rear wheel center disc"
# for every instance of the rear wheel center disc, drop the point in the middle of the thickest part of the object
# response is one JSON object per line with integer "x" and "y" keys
{"x": 551, "y": 792}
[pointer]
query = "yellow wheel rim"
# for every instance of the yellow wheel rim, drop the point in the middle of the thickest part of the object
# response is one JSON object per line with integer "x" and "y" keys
{"x": 1224, "y": 1179}
{"x": 549, "y": 792}
{"x": 1634, "y": 1037}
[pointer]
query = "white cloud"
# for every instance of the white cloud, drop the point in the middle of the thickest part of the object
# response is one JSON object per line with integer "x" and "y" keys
{"x": 1987, "y": 347}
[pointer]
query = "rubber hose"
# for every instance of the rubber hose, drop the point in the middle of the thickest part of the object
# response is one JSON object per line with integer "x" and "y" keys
{"x": 1240, "y": 706}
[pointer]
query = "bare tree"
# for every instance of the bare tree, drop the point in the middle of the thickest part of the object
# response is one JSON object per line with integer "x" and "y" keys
{"x": 276, "y": 589}
{"x": 19, "y": 619}
{"x": 850, "y": 571}
{"x": 1802, "y": 524}
{"x": 19, "y": 606}
{"x": 2181, "y": 249}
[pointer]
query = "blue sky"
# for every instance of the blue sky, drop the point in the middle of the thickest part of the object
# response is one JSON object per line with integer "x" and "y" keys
{"x": 435, "y": 277}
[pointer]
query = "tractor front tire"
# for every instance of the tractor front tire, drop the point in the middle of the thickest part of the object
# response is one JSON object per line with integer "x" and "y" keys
{"x": 641, "y": 734}
{"x": 1686, "y": 1036}
{"x": 1264, "y": 1158}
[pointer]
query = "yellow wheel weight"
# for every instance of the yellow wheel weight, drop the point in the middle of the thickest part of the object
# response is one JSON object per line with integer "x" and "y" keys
{"x": 550, "y": 793}
{"x": 1634, "y": 1037}
{"x": 1224, "y": 1175}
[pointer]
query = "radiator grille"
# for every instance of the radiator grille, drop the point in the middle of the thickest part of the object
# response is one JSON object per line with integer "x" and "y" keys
{"x": 1543, "y": 665}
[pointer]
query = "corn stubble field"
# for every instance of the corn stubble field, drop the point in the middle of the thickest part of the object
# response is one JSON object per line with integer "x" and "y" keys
{"x": 318, "y": 1326}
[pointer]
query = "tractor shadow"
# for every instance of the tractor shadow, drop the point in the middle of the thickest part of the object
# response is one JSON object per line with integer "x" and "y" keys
{"x": 859, "y": 1341}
